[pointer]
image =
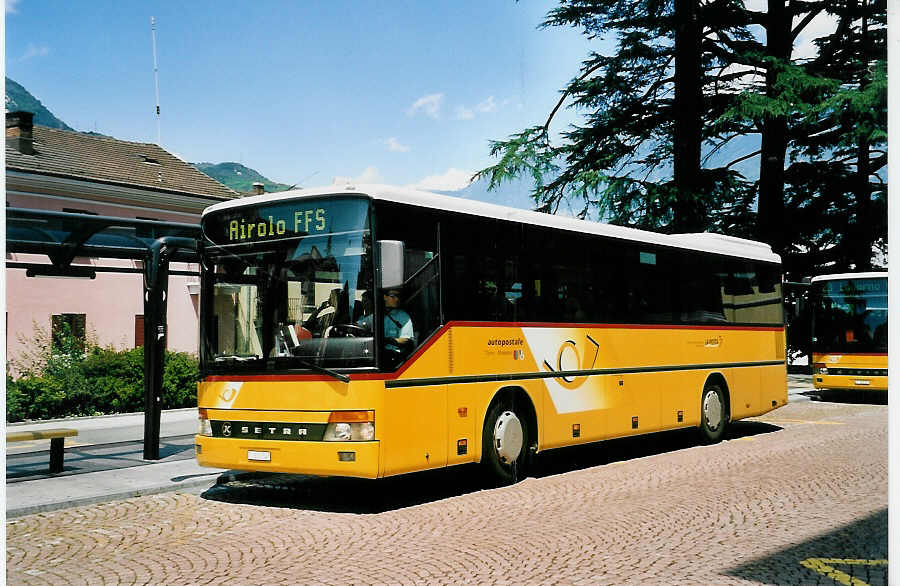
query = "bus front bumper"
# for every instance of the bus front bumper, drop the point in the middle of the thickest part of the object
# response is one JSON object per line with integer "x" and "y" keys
{"x": 356, "y": 459}
{"x": 850, "y": 383}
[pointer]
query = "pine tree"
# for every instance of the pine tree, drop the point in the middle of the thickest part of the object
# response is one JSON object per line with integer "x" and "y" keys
{"x": 687, "y": 75}
{"x": 839, "y": 154}
{"x": 637, "y": 158}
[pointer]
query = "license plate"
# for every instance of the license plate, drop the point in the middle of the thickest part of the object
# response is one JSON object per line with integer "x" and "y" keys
{"x": 863, "y": 383}
{"x": 259, "y": 456}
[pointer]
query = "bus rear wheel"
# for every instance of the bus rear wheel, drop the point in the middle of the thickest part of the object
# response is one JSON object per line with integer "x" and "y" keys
{"x": 713, "y": 413}
{"x": 505, "y": 441}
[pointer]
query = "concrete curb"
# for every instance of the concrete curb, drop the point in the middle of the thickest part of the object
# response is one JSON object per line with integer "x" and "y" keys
{"x": 53, "y": 494}
{"x": 105, "y": 498}
{"x": 86, "y": 418}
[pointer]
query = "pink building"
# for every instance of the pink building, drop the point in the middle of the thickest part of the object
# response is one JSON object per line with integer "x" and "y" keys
{"x": 58, "y": 170}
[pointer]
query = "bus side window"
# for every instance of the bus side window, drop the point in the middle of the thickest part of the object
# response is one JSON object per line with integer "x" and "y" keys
{"x": 650, "y": 295}
{"x": 700, "y": 291}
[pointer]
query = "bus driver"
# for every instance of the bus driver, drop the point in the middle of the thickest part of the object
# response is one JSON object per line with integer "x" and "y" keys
{"x": 398, "y": 326}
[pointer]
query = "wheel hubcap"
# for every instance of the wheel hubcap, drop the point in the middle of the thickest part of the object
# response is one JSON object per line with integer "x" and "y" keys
{"x": 508, "y": 438}
{"x": 712, "y": 410}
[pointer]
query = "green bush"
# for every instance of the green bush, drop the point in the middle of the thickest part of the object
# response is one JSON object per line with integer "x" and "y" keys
{"x": 69, "y": 378}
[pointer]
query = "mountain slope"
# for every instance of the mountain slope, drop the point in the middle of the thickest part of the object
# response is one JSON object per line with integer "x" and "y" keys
{"x": 238, "y": 177}
{"x": 18, "y": 98}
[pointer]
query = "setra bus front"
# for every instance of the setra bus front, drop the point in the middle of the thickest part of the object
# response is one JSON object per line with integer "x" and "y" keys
{"x": 286, "y": 315}
{"x": 850, "y": 332}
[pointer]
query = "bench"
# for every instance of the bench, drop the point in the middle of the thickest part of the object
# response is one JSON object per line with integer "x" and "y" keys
{"x": 56, "y": 436}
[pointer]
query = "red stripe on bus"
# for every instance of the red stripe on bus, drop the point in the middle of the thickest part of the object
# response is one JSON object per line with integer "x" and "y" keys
{"x": 481, "y": 324}
{"x": 310, "y": 378}
{"x": 850, "y": 354}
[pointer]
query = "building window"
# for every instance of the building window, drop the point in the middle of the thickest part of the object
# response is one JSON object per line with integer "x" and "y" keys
{"x": 139, "y": 332}
{"x": 148, "y": 160}
{"x": 68, "y": 332}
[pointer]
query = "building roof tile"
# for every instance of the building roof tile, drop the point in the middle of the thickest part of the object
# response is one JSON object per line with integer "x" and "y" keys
{"x": 99, "y": 158}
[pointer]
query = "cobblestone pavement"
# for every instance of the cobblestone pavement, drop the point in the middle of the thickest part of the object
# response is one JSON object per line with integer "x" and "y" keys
{"x": 798, "y": 496}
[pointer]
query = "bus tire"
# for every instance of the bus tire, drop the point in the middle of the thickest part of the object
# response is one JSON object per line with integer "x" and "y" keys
{"x": 505, "y": 440}
{"x": 713, "y": 413}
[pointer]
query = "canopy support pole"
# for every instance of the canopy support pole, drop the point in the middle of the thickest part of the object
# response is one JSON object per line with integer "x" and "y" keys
{"x": 156, "y": 288}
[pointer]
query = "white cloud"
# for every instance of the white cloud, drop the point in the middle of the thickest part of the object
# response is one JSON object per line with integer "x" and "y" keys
{"x": 488, "y": 105}
{"x": 463, "y": 113}
{"x": 32, "y": 51}
{"x": 485, "y": 106}
{"x": 395, "y": 146}
{"x": 430, "y": 104}
{"x": 370, "y": 175}
{"x": 452, "y": 180}
{"x": 822, "y": 25}
{"x": 751, "y": 77}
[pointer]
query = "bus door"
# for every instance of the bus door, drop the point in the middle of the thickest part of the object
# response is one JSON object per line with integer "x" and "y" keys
{"x": 414, "y": 420}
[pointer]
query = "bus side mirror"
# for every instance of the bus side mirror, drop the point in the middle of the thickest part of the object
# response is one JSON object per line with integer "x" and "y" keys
{"x": 391, "y": 253}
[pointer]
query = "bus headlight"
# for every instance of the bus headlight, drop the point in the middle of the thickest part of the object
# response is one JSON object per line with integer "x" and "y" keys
{"x": 350, "y": 426}
{"x": 205, "y": 426}
{"x": 820, "y": 368}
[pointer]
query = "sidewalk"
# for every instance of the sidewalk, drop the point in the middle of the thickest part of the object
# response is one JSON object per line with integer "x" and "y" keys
{"x": 105, "y": 461}
{"x": 60, "y": 492}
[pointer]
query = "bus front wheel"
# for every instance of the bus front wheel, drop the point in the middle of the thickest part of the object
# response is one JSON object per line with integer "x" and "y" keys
{"x": 713, "y": 413}
{"x": 505, "y": 439}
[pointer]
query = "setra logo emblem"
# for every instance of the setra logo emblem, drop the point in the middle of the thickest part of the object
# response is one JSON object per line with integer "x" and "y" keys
{"x": 226, "y": 429}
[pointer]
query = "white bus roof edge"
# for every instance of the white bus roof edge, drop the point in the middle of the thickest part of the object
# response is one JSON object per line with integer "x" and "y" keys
{"x": 708, "y": 242}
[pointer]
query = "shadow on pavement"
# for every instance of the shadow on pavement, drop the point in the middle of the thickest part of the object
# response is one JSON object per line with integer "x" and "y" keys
{"x": 630, "y": 448}
{"x": 854, "y": 554}
{"x": 347, "y": 495}
{"x": 94, "y": 458}
{"x": 855, "y": 397}
{"x": 359, "y": 496}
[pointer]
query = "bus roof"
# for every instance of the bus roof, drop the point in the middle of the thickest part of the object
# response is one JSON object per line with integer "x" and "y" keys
{"x": 843, "y": 276}
{"x": 714, "y": 243}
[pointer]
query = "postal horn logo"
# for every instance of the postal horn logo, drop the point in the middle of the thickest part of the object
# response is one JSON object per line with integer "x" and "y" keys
{"x": 573, "y": 357}
{"x": 227, "y": 394}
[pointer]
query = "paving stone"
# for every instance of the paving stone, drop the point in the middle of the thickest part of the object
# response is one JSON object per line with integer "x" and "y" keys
{"x": 805, "y": 482}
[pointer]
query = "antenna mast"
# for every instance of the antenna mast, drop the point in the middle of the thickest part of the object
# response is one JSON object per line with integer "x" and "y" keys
{"x": 156, "y": 82}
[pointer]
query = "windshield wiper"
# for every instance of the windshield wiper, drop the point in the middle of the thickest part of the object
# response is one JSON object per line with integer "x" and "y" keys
{"x": 238, "y": 358}
{"x": 321, "y": 369}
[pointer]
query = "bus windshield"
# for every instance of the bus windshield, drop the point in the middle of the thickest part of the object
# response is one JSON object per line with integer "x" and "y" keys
{"x": 287, "y": 285}
{"x": 850, "y": 316}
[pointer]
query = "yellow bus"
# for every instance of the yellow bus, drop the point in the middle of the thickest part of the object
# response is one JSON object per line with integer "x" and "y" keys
{"x": 850, "y": 331}
{"x": 371, "y": 331}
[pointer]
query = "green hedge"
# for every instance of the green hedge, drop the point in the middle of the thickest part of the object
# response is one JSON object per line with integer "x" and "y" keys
{"x": 97, "y": 381}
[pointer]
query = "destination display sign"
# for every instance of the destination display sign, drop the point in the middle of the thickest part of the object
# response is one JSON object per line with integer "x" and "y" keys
{"x": 283, "y": 220}
{"x": 857, "y": 287}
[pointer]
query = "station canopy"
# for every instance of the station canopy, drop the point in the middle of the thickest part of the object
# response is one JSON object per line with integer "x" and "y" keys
{"x": 63, "y": 236}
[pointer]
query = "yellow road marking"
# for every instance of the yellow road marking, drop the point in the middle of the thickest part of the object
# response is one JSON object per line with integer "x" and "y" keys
{"x": 824, "y": 566}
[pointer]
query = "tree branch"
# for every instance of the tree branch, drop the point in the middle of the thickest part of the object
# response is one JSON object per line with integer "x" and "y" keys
{"x": 566, "y": 95}
{"x": 744, "y": 158}
{"x": 803, "y": 23}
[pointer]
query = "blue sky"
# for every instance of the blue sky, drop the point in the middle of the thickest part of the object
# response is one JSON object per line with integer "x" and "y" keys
{"x": 407, "y": 93}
